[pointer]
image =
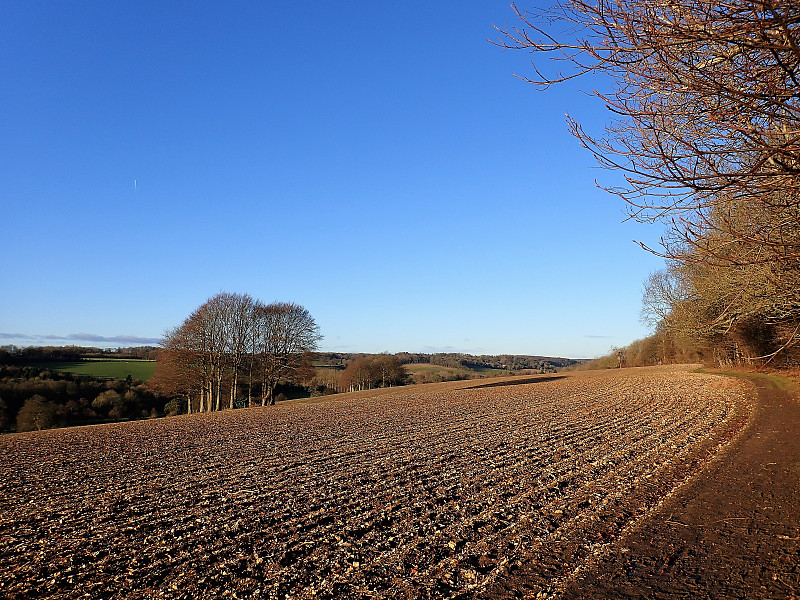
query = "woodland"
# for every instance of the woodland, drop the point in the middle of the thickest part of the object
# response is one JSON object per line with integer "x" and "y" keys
{"x": 704, "y": 129}
{"x": 32, "y": 398}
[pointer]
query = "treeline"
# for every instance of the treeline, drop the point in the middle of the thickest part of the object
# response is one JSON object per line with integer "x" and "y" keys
{"x": 33, "y": 399}
{"x": 706, "y": 136}
{"x": 507, "y": 362}
{"x": 662, "y": 348}
{"x": 364, "y": 372}
{"x": 234, "y": 351}
{"x": 16, "y": 355}
{"x": 342, "y": 372}
{"x": 669, "y": 346}
{"x": 728, "y": 315}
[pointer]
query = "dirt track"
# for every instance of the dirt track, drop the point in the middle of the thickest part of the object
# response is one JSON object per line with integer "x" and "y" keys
{"x": 733, "y": 532}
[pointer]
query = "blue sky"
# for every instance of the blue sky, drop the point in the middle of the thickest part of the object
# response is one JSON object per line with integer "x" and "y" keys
{"x": 377, "y": 163}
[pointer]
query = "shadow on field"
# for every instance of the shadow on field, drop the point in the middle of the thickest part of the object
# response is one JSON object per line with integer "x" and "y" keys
{"x": 524, "y": 381}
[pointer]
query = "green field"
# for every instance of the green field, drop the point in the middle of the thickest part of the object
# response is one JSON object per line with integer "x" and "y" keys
{"x": 104, "y": 368}
{"x": 427, "y": 373}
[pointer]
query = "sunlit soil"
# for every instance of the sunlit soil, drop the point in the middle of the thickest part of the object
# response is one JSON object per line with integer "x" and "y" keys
{"x": 425, "y": 491}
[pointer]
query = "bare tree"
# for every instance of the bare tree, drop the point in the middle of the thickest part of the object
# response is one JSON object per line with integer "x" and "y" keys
{"x": 366, "y": 372}
{"x": 704, "y": 95}
{"x": 359, "y": 374}
{"x": 238, "y": 325}
{"x": 662, "y": 293}
{"x": 286, "y": 334}
{"x": 228, "y": 334}
{"x": 195, "y": 355}
{"x": 37, "y": 413}
{"x": 391, "y": 369}
{"x": 704, "y": 125}
{"x": 264, "y": 344}
{"x": 178, "y": 367}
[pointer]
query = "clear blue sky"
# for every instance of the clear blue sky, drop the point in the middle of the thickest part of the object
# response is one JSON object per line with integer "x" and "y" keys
{"x": 375, "y": 162}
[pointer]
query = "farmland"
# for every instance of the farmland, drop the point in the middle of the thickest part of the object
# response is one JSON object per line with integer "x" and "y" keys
{"x": 427, "y": 373}
{"x": 443, "y": 490}
{"x": 104, "y": 368}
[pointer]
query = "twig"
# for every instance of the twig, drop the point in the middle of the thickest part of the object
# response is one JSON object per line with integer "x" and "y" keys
{"x": 729, "y": 519}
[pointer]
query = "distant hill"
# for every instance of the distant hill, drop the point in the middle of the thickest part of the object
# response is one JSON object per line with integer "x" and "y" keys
{"x": 510, "y": 362}
{"x": 421, "y": 367}
{"x": 429, "y": 368}
{"x": 15, "y": 355}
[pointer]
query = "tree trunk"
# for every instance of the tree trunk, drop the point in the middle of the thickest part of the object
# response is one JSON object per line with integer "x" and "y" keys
{"x": 233, "y": 387}
{"x": 250, "y": 385}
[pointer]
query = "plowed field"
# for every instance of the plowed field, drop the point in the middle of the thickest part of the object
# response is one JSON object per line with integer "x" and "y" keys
{"x": 447, "y": 490}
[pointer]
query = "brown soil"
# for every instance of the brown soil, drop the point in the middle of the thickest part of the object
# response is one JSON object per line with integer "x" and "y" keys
{"x": 642, "y": 483}
{"x": 732, "y": 532}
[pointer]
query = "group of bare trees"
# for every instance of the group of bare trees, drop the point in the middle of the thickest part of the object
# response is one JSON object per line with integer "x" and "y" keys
{"x": 705, "y": 126}
{"x": 367, "y": 372}
{"x": 361, "y": 372}
{"x": 233, "y": 348}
